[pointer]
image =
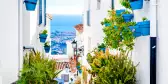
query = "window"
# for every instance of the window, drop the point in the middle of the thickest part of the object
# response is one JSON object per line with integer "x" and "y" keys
{"x": 40, "y": 12}
{"x": 44, "y": 12}
{"x": 98, "y": 4}
{"x": 88, "y": 17}
{"x": 112, "y": 4}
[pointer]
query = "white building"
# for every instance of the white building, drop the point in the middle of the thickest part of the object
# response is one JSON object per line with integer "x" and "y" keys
{"x": 19, "y": 28}
{"x": 152, "y": 9}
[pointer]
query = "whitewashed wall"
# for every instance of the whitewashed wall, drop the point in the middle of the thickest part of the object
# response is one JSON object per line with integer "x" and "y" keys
{"x": 141, "y": 52}
{"x": 9, "y": 41}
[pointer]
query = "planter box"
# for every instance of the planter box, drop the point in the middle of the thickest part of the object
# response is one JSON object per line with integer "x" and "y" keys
{"x": 30, "y": 4}
{"x": 136, "y": 4}
{"x": 119, "y": 12}
{"x": 127, "y": 17}
{"x": 47, "y": 49}
{"x": 145, "y": 27}
{"x": 136, "y": 30}
{"x": 43, "y": 37}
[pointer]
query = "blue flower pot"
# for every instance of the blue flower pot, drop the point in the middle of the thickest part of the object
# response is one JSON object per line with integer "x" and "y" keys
{"x": 127, "y": 17}
{"x": 30, "y": 5}
{"x": 107, "y": 24}
{"x": 136, "y": 30}
{"x": 43, "y": 37}
{"x": 80, "y": 71}
{"x": 47, "y": 49}
{"x": 136, "y": 4}
{"x": 119, "y": 12}
{"x": 145, "y": 27}
{"x": 103, "y": 49}
{"x": 78, "y": 67}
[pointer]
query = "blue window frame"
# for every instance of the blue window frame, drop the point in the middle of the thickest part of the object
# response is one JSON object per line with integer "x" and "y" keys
{"x": 44, "y": 12}
{"x": 88, "y": 17}
{"x": 40, "y": 12}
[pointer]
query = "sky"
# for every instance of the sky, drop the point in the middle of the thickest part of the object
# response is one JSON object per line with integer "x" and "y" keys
{"x": 65, "y": 6}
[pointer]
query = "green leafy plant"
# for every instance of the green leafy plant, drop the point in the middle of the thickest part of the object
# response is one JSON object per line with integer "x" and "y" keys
{"x": 126, "y": 4}
{"x": 44, "y": 32}
{"x": 126, "y": 12}
{"x": 102, "y": 45}
{"x": 47, "y": 44}
{"x": 111, "y": 69}
{"x": 118, "y": 35}
{"x": 144, "y": 19}
{"x": 38, "y": 69}
{"x": 105, "y": 21}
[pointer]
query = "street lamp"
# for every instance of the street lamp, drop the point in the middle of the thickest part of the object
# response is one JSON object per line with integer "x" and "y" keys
{"x": 74, "y": 46}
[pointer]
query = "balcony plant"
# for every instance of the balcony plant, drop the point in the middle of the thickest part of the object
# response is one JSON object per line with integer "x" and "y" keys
{"x": 38, "y": 69}
{"x": 43, "y": 36}
{"x": 127, "y": 16}
{"x": 47, "y": 47}
{"x": 111, "y": 69}
{"x": 30, "y": 4}
{"x": 144, "y": 26}
{"x": 136, "y": 4}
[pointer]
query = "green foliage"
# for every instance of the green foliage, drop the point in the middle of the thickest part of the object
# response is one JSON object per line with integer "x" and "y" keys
{"x": 44, "y": 31}
{"x": 47, "y": 44}
{"x": 126, "y": 12}
{"x": 126, "y": 4}
{"x": 118, "y": 35}
{"x": 105, "y": 21}
{"x": 144, "y": 19}
{"x": 38, "y": 69}
{"x": 112, "y": 69}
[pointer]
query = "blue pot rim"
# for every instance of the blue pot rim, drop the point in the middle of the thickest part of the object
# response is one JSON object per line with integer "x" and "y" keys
{"x": 31, "y": 1}
{"x": 127, "y": 15}
{"x": 144, "y": 23}
{"x": 43, "y": 35}
{"x": 46, "y": 47}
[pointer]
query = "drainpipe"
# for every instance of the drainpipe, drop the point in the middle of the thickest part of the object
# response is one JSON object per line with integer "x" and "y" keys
{"x": 153, "y": 41}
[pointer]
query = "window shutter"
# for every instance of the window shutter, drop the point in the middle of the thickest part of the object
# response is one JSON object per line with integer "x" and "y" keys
{"x": 44, "y": 12}
{"x": 40, "y": 12}
{"x": 112, "y": 4}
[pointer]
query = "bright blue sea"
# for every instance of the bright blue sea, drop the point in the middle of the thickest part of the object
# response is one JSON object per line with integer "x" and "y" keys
{"x": 62, "y": 30}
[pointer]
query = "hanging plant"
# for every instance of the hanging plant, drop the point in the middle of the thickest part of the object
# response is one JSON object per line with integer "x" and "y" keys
{"x": 43, "y": 36}
{"x": 47, "y": 47}
{"x": 126, "y": 4}
{"x": 118, "y": 35}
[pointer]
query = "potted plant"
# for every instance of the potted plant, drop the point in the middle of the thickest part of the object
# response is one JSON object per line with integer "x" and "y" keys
{"x": 125, "y": 3}
{"x": 43, "y": 35}
{"x": 119, "y": 66}
{"x": 47, "y": 47}
{"x": 135, "y": 29}
{"x": 119, "y": 12}
{"x": 102, "y": 47}
{"x": 38, "y": 69}
{"x": 144, "y": 26}
{"x": 79, "y": 67}
{"x": 30, "y": 4}
{"x": 136, "y": 4}
{"x": 106, "y": 22}
{"x": 127, "y": 16}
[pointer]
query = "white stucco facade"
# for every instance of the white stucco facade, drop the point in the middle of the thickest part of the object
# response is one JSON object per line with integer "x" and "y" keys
{"x": 93, "y": 34}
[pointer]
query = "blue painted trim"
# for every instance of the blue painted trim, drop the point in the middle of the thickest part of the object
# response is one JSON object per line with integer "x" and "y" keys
{"x": 127, "y": 17}
{"x": 44, "y": 12}
{"x": 40, "y": 12}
